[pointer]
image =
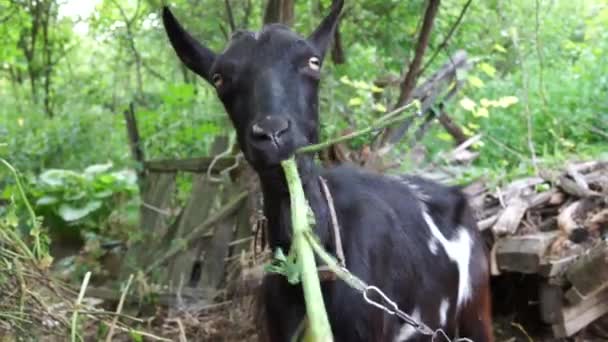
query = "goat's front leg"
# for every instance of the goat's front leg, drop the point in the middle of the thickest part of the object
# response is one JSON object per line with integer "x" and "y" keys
{"x": 284, "y": 308}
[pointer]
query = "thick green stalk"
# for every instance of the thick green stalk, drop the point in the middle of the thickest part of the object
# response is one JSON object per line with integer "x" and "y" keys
{"x": 318, "y": 322}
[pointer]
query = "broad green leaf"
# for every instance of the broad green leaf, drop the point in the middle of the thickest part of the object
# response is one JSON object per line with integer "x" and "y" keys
{"x": 47, "y": 200}
{"x": 98, "y": 168}
{"x": 103, "y": 194}
{"x": 70, "y": 213}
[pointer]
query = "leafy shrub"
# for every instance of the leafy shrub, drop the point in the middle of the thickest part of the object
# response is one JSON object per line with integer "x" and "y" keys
{"x": 84, "y": 200}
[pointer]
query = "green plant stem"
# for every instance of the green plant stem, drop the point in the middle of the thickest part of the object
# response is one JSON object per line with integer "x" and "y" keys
{"x": 395, "y": 116}
{"x": 331, "y": 262}
{"x": 319, "y": 327}
{"x": 35, "y": 230}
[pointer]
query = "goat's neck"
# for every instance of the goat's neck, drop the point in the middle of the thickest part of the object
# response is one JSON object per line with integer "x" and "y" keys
{"x": 277, "y": 206}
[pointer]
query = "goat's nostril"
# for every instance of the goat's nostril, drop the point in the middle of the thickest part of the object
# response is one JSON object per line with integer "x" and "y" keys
{"x": 258, "y": 131}
{"x": 270, "y": 128}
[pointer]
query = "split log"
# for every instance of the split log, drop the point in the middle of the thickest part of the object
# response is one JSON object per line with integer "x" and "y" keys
{"x": 589, "y": 274}
{"x": 523, "y": 254}
{"x": 508, "y": 221}
{"x": 575, "y": 317}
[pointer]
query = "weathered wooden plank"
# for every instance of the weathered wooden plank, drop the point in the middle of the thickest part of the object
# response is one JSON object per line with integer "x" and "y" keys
{"x": 155, "y": 218}
{"x": 574, "y": 318}
{"x": 508, "y": 221}
{"x": 589, "y": 274}
{"x": 556, "y": 268}
{"x": 196, "y": 165}
{"x": 551, "y": 302}
{"x": 158, "y": 191}
{"x": 202, "y": 197}
{"x": 216, "y": 251}
{"x": 523, "y": 253}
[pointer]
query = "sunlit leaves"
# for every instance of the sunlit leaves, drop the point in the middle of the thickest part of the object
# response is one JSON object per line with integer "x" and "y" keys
{"x": 487, "y": 69}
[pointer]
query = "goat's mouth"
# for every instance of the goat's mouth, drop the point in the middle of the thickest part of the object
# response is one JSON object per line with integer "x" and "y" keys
{"x": 270, "y": 153}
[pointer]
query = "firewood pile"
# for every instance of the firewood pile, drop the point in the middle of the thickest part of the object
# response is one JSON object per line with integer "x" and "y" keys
{"x": 554, "y": 226}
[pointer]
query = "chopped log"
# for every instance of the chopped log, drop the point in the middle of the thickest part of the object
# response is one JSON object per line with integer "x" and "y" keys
{"x": 487, "y": 222}
{"x": 566, "y": 218}
{"x": 523, "y": 253}
{"x": 509, "y": 219}
{"x": 575, "y": 317}
{"x": 589, "y": 274}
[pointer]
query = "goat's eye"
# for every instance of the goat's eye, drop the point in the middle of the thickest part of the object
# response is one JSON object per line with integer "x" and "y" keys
{"x": 217, "y": 80}
{"x": 314, "y": 63}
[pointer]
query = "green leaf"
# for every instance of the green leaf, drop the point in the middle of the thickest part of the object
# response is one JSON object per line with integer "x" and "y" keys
{"x": 98, "y": 168}
{"x": 507, "y": 101}
{"x": 488, "y": 69}
{"x": 47, "y": 200}
{"x": 103, "y": 194}
{"x": 379, "y": 107}
{"x": 467, "y": 104}
{"x": 481, "y": 112}
{"x": 499, "y": 48}
{"x": 70, "y": 213}
{"x": 355, "y": 101}
{"x": 475, "y": 81}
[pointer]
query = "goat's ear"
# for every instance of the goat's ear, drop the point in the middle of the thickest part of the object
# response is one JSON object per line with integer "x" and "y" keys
{"x": 324, "y": 33}
{"x": 193, "y": 54}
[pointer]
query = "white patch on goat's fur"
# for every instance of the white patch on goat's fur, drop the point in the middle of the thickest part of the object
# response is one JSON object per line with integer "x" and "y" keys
{"x": 433, "y": 245}
{"x": 407, "y": 331}
{"x": 459, "y": 250}
{"x": 443, "y": 311}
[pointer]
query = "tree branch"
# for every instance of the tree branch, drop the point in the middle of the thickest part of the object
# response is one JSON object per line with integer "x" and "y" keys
{"x": 409, "y": 82}
{"x": 230, "y": 15}
{"x": 447, "y": 38}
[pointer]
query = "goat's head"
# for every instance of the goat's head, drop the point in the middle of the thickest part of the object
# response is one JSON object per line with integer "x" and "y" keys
{"x": 267, "y": 81}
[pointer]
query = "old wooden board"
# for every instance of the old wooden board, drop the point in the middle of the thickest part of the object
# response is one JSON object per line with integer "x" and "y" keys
{"x": 589, "y": 274}
{"x": 202, "y": 198}
{"x": 556, "y": 268}
{"x": 551, "y": 300}
{"x": 508, "y": 221}
{"x": 154, "y": 217}
{"x": 523, "y": 253}
{"x": 575, "y": 317}
{"x": 215, "y": 254}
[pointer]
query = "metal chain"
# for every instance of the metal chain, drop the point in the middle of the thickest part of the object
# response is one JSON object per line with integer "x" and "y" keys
{"x": 394, "y": 310}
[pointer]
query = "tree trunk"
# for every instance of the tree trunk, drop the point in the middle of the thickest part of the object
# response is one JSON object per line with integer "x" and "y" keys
{"x": 279, "y": 11}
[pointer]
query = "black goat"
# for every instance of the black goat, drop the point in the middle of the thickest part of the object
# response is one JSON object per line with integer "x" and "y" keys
{"x": 415, "y": 240}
